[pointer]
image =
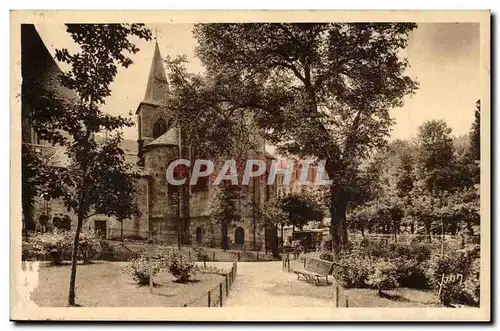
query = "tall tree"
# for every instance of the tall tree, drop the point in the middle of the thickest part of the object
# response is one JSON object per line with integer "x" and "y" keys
{"x": 436, "y": 157}
{"x": 475, "y": 135}
{"x": 97, "y": 179}
{"x": 317, "y": 90}
{"x": 406, "y": 177}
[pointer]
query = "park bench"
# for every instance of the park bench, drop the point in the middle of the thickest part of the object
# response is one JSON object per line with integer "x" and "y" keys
{"x": 314, "y": 270}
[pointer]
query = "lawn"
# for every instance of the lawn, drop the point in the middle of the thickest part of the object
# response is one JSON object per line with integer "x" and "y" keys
{"x": 107, "y": 284}
{"x": 364, "y": 297}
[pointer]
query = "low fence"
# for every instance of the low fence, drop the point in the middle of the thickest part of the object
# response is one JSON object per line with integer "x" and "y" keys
{"x": 197, "y": 253}
{"x": 340, "y": 298}
{"x": 217, "y": 295}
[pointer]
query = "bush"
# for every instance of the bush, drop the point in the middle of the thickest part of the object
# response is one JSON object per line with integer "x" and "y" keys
{"x": 139, "y": 269}
{"x": 384, "y": 276}
{"x": 200, "y": 252}
{"x": 353, "y": 270}
{"x": 58, "y": 245}
{"x": 181, "y": 266}
{"x": 53, "y": 244}
{"x": 463, "y": 262}
{"x": 115, "y": 253}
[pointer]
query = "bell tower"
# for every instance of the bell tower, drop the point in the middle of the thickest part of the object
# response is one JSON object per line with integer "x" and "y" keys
{"x": 152, "y": 118}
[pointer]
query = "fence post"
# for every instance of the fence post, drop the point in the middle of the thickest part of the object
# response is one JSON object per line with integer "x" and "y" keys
{"x": 213, "y": 256}
{"x": 336, "y": 295}
{"x": 150, "y": 260}
{"x": 227, "y": 287}
{"x": 257, "y": 256}
{"x": 238, "y": 255}
{"x": 220, "y": 294}
{"x": 289, "y": 264}
{"x": 346, "y": 302}
{"x": 205, "y": 260}
{"x": 209, "y": 298}
{"x": 185, "y": 305}
{"x": 304, "y": 263}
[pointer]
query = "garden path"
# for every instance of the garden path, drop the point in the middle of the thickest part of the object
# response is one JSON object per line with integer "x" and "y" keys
{"x": 265, "y": 284}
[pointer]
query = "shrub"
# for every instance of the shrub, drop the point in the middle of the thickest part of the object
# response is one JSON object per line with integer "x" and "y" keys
{"x": 200, "y": 253}
{"x": 463, "y": 262}
{"x": 58, "y": 245}
{"x": 178, "y": 262}
{"x": 115, "y": 253}
{"x": 139, "y": 269}
{"x": 88, "y": 244}
{"x": 181, "y": 267}
{"x": 383, "y": 277}
{"x": 53, "y": 244}
{"x": 353, "y": 270}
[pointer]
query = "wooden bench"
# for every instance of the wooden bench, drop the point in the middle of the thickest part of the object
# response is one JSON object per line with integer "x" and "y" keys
{"x": 314, "y": 270}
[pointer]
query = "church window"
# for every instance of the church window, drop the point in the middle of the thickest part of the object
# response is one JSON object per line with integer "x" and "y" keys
{"x": 159, "y": 128}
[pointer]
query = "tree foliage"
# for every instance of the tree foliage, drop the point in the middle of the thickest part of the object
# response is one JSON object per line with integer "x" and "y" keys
{"x": 316, "y": 90}
{"x": 301, "y": 209}
{"x": 97, "y": 179}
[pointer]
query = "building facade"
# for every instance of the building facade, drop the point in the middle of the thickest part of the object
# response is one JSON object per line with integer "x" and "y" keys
{"x": 167, "y": 213}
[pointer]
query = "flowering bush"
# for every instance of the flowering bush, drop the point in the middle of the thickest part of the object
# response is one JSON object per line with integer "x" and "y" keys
{"x": 53, "y": 244}
{"x": 464, "y": 262}
{"x": 354, "y": 270}
{"x": 58, "y": 245}
{"x": 181, "y": 266}
{"x": 383, "y": 277}
{"x": 88, "y": 244}
{"x": 139, "y": 269}
{"x": 200, "y": 252}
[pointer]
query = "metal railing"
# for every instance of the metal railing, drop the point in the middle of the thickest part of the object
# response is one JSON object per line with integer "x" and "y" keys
{"x": 217, "y": 295}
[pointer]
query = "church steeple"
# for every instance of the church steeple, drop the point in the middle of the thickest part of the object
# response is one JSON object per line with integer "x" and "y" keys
{"x": 151, "y": 113}
{"x": 157, "y": 87}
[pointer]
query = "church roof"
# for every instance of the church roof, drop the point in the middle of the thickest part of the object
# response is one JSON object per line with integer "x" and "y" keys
{"x": 169, "y": 138}
{"x": 157, "y": 87}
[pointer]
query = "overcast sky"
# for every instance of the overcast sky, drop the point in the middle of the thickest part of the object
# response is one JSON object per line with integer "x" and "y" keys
{"x": 444, "y": 59}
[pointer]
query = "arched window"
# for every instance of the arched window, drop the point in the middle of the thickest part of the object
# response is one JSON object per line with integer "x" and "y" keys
{"x": 159, "y": 128}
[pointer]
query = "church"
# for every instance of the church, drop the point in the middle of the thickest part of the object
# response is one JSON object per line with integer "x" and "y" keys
{"x": 167, "y": 214}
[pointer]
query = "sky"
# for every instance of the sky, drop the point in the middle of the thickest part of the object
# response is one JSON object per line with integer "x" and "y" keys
{"x": 444, "y": 58}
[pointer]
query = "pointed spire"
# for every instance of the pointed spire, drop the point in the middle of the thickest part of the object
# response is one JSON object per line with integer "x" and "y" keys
{"x": 157, "y": 88}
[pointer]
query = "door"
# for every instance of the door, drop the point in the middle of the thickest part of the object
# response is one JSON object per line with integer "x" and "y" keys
{"x": 100, "y": 227}
{"x": 198, "y": 236}
{"x": 239, "y": 236}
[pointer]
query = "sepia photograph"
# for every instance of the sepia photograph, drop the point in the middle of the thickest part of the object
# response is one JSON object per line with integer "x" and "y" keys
{"x": 323, "y": 166}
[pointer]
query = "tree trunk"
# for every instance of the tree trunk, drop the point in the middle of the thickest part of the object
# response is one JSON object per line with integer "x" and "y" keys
{"x": 338, "y": 227}
{"x": 74, "y": 257}
{"x": 28, "y": 217}
{"x": 121, "y": 230}
{"x": 224, "y": 243}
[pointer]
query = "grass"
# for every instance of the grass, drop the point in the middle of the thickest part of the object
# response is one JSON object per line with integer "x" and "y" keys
{"x": 363, "y": 297}
{"x": 107, "y": 284}
{"x": 401, "y": 297}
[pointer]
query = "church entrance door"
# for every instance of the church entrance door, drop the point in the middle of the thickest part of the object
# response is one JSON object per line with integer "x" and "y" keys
{"x": 198, "y": 236}
{"x": 239, "y": 236}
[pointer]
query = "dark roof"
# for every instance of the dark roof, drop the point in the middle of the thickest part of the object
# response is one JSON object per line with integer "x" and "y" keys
{"x": 157, "y": 86}
{"x": 169, "y": 138}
